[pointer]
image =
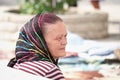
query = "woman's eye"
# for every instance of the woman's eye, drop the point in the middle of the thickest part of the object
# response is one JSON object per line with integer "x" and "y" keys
{"x": 61, "y": 37}
{"x": 58, "y": 38}
{"x": 65, "y": 35}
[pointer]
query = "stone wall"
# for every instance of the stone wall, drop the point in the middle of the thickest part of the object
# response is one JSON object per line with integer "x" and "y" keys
{"x": 90, "y": 25}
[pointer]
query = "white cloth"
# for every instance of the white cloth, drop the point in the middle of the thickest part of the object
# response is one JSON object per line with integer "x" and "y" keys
{"x": 88, "y": 48}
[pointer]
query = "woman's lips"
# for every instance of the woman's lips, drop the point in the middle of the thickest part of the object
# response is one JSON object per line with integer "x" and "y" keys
{"x": 62, "y": 48}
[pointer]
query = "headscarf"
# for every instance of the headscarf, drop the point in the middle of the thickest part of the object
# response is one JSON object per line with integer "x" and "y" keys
{"x": 31, "y": 45}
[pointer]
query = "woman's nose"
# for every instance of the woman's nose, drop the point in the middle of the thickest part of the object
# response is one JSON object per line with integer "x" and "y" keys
{"x": 64, "y": 41}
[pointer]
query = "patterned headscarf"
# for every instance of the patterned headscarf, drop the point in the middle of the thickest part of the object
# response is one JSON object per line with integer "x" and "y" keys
{"x": 31, "y": 45}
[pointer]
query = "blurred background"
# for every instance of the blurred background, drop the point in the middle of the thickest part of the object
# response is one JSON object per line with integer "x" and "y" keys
{"x": 94, "y": 31}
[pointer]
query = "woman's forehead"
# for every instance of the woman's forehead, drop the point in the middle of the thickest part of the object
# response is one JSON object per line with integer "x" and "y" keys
{"x": 58, "y": 27}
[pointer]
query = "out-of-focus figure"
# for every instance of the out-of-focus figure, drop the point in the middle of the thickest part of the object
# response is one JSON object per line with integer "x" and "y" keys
{"x": 95, "y": 3}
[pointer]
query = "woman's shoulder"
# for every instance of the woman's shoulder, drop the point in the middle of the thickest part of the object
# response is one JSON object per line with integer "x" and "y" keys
{"x": 43, "y": 68}
{"x": 44, "y": 63}
{"x": 39, "y": 64}
{"x": 36, "y": 67}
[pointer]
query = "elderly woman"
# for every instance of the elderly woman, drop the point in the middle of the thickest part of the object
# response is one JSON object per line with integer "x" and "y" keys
{"x": 41, "y": 42}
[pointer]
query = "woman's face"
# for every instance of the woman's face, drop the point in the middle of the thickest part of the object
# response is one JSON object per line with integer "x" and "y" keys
{"x": 55, "y": 36}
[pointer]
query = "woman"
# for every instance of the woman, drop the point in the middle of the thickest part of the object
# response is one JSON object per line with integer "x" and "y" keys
{"x": 41, "y": 42}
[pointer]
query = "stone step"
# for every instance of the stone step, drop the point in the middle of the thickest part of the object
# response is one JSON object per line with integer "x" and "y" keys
{"x": 8, "y": 36}
{"x": 9, "y": 27}
{"x": 14, "y": 17}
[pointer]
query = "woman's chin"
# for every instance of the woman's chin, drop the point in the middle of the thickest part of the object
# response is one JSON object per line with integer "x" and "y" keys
{"x": 63, "y": 54}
